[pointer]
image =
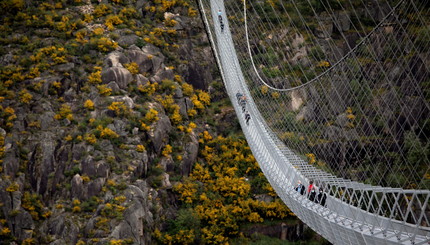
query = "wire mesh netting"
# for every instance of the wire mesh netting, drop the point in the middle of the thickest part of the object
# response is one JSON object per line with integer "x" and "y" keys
{"x": 345, "y": 85}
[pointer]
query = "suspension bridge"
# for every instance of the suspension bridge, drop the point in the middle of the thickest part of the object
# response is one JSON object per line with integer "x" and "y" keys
{"x": 338, "y": 94}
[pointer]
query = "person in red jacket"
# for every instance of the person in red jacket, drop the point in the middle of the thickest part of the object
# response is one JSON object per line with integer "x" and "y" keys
{"x": 311, "y": 191}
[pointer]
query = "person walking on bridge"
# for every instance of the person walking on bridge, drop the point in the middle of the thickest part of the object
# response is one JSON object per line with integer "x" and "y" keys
{"x": 219, "y": 15}
{"x": 311, "y": 191}
{"x": 247, "y": 117}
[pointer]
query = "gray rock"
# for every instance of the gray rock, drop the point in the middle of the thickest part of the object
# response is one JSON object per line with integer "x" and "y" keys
{"x": 141, "y": 59}
{"x": 77, "y": 187}
{"x": 157, "y": 63}
{"x": 117, "y": 74}
{"x": 324, "y": 30}
{"x": 151, "y": 49}
{"x": 11, "y": 161}
{"x": 95, "y": 187}
{"x": 70, "y": 95}
{"x": 106, "y": 145}
{"x": 197, "y": 75}
{"x": 167, "y": 163}
{"x": 161, "y": 75}
{"x": 114, "y": 86}
{"x": 23, "y": 222}
{"x": 116, "y": 59}
{"x": 141, "y": 80}
{"x": 342, "y": 120}
{"x": 183, "y": 108}
{"x": 67, "y": 67}
{"x": 56, "y": 225}
{"x": 125, "y": 41}
{"x": 159, "y": 134}
{"x": 42, "y": 162}
{"x": 135, "y": 217}
{"x": 165, "y": 182}
{"x": 178, "y": 92}
{"x": 88, "y": 166}
{"x": 47, "y": 120}
{"x": 264, "y": 198}
{"x": 190, "y": 156}
{"x": 343, "y": 22}
{"x": 120, "y": 127}
{"x": 298, "y": 41}
{"x": 6, "y": 59}
{"x": 332, "y": 133}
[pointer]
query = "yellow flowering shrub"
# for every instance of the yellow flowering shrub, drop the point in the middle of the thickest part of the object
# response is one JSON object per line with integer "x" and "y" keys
{"x": 89, "y": 104}
{"x": 223, "y": 200}
{"x": 187, "y": 89}
{"x": 119, "y": 108}
{"x": 103, "y": 44}
{"x": 264, "y": 89}
{"x": 149, "y": 88}
{"x": 98, "y": 31}
{"x": 104, "y": 90}
{"x": 311, "y": 158}
{"x": 65, "y": 112}
{"x": 101, "y": 9}
{"x": 192, "y": 12}
{"x": 132, "y": 67}
{"x": 25, "y": 97}
{"x": 12, "y": 187}
{"x": 151, "y": 116}
{"x": 186, "y": 190}
{"x": 112, "y": 20}
{"x": 108, "y": 133}
{"x": 140, "y": 148}
{"x": 204, "y": 97}
{"x": 96, "y": 76}
{"x": 167, "y": 150}
{"x": 90, "y": 139}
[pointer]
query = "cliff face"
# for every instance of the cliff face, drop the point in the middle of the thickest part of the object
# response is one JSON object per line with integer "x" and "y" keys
{"x": 91, "y": 96}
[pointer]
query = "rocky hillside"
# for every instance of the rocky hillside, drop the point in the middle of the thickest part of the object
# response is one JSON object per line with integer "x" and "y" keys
{"x": 115, "y": 130}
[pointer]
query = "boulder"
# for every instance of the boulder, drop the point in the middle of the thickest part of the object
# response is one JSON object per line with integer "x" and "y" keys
{"x": 42, "y": 162}
{"x": 127, "y": 40}
{"x": 119, "y": 75}
{"x": 77, "y": 187}
{"x": 141, "y": 80}
{"x": 135, "y": 217}
{"x": 298, "y": 41}
{"x": 95, "y": 187}
{"x": 162, "y": 74}
{"x": 67, "y": 67}
{"x": 114, "y": 86}
{"x": 159, "y": 133}
{"x": 116, "y": 59}
{"x": 23, "y": 225}
{"x": 165, "y": 182}
{"x": 143, "y": 60}
{"x": 343, "y": 22}
{"x": 167, "y": 163}
{"x": 190, "y": 155}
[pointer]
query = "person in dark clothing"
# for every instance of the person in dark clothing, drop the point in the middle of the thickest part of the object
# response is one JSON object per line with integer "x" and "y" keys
{"x": 247, "y": 117}
{"x": 300, "y": 188}
{"x": 321, "y": 197}
{"x": 243, "y": 103}
{"x": 238, "y": 96}
{"x": 311, "y": 191}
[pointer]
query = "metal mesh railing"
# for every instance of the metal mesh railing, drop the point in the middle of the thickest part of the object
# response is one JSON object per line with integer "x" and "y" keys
{"x": 350, "y": 126}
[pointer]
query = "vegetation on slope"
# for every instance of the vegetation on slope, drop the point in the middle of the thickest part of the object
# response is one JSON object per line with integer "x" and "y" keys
{"x": 88, "y": 157}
